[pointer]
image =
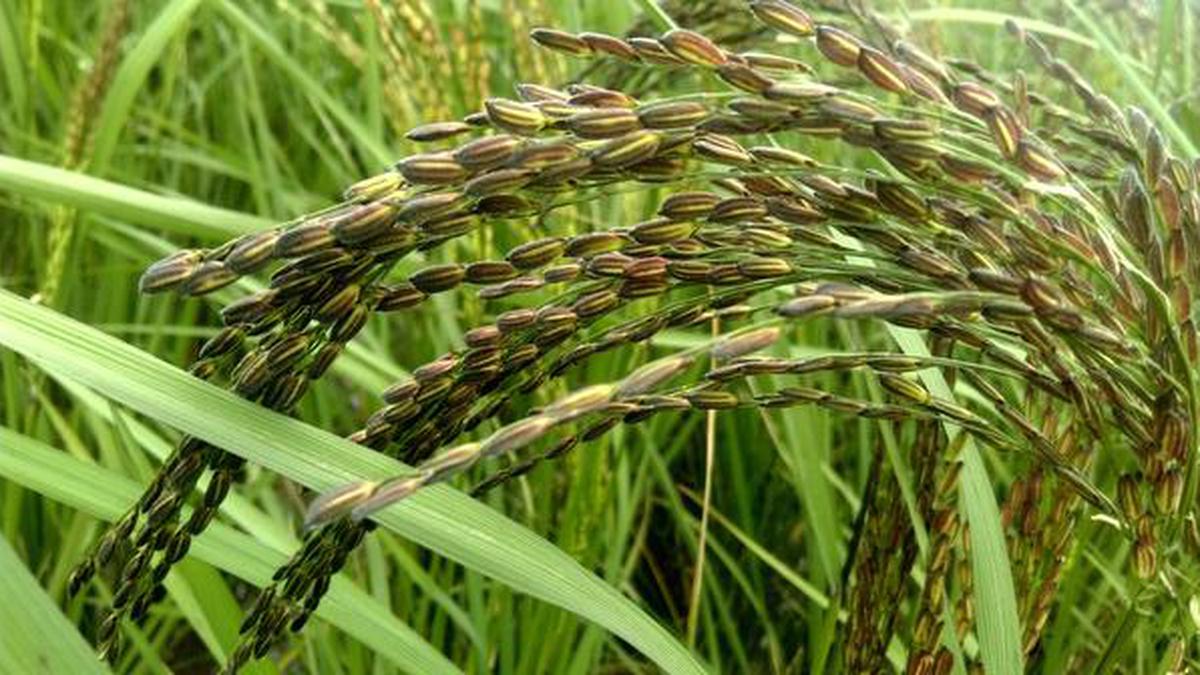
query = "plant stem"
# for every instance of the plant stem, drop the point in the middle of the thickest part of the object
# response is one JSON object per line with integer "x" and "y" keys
{"x": 657, "y": 14}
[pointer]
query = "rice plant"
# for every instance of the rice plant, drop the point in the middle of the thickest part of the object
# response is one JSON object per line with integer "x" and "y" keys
{"x": 976, "y": 283}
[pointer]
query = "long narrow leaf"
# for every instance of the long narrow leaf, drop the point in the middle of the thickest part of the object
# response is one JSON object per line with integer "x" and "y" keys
{"x": 441, "y": 518}
{"x": 34, "y": 636}
{"x": 32, "y": 180}
{"x": 131, "y": 76}
{"x": 379, "y": 152}
{"x": 999, "y": 625}
{"x": 104, "y": 494}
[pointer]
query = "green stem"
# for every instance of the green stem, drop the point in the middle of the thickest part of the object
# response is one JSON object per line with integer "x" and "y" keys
{"x": 1119, "y": 639}
{"x": 657, "y": 14}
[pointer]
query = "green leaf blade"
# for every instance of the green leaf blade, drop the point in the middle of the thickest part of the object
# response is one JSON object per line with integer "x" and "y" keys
{"x": 34, "y": 636}
{"x": 440, "y": 518}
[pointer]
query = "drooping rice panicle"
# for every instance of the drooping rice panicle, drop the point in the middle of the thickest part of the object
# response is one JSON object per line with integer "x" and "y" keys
{"x": 1042, "y": 253}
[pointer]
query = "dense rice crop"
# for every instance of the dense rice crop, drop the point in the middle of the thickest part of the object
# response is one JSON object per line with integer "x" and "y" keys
{"x": 948, "y": 308}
